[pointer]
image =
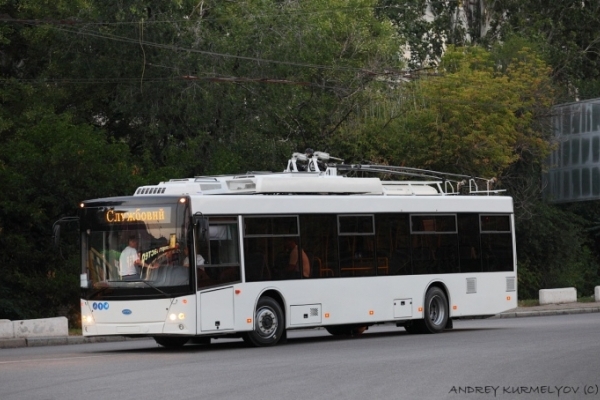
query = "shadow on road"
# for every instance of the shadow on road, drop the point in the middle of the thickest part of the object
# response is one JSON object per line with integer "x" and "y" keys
{"x": 297, "y": 337}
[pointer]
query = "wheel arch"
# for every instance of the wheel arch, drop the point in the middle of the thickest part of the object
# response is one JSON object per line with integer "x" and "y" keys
{"x": 278, "y": 297}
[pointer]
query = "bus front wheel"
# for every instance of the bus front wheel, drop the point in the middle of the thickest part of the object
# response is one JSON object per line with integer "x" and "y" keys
{"x": 269, "y": 323}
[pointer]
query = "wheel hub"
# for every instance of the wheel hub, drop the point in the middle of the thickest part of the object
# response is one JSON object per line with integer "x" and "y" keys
{"x": 266, "y": 321}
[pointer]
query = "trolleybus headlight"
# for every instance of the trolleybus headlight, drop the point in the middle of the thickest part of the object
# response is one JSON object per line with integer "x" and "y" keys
{"x": 87, "y": 319}
{"x": 174, "y": 317}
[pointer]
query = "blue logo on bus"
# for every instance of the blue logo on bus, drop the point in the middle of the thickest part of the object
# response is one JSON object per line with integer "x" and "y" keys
{"x": 100, "y": 306}
{"x": 126, "y": 311}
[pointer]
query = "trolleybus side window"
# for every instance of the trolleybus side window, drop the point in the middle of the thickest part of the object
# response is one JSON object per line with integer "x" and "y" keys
{"x": 393, "y": 243}
{"x": 469, "y": 244}
{"x": 319, "y": 241}
{"x": 357, "y": 245}
{"x": 434, "y": 244}
{"x": 268, "y": 243}
{"x": 496, "y": 243}
{"x": 217, "y": 253}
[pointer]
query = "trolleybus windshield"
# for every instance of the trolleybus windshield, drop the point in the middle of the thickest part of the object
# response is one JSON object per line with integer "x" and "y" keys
{"x": 136, "y": 249}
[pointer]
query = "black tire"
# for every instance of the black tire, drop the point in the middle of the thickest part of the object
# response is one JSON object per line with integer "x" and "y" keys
{"x": 436, "y": 312}
{"x": 345, "y": 330}
{"x": 171, "y": 342}
{"x": 269, "y": 324}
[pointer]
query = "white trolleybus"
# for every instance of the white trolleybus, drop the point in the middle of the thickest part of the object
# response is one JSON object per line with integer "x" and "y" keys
{"x": 318, "y": 245}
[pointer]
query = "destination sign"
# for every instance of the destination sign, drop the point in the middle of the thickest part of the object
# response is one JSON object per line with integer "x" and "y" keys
{"x": 148, "y": 215}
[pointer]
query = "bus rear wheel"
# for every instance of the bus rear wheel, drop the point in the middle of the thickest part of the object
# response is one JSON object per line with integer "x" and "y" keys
{"x": 269, "y": 324}
{"x": 171, "y": 342}
{"x": 435, "y": 313}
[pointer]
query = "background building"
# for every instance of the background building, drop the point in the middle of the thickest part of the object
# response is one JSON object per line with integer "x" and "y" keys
{"x": 574, "y": 165}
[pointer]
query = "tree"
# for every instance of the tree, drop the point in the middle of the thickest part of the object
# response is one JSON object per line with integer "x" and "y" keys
{"x": 428, "y": 27}
{"x": 176, "y": 79}
{"x": 477, "y": 116}
{"x": 48, "y": 165}
{"x": 97, "y": 98}
{"x": 484, "y": 113}
{"x": 563, "y": 31}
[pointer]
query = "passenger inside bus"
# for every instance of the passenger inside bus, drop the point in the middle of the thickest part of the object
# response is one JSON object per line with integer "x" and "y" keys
{"x": 291, "y": 246}
{"x": 201, "y": 273}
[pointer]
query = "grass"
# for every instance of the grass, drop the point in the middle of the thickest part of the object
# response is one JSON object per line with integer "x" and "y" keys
{"x": 74, "y": 331}
{"x": 529, "y": 303}
{"x": 589, "y": 299}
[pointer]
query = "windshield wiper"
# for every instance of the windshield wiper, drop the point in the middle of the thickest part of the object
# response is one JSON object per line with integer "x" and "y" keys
{"x": 156, "y": 288}
{"x": 97, "y": 292}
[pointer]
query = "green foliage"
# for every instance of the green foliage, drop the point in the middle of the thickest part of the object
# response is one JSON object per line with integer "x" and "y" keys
{"x": 97, "y": 98}
{"x": 484, "y": 114}
{"x": 554, "y": 252}
{"x": 48, "y": 164}
{"x": 428, "y": 27}
{"x": 562, "y": 30}
{"x": 477, "y": 116}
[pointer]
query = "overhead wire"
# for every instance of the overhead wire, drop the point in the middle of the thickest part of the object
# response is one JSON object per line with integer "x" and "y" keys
{"x": 215, "y": 54}
{"x": 4, "y": 18}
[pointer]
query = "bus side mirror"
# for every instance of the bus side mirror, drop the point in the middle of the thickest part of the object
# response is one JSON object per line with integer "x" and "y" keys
{"x": 201, "y": 225}
{"x": 56, "y": 229}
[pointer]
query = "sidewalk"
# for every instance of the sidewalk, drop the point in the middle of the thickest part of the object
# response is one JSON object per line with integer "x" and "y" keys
{"x": 535, "y": 311}
{"x": 551, "y": 309}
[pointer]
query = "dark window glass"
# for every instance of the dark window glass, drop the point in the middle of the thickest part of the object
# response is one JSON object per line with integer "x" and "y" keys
{"x": 393, "y": 244}
{"x": 272, "y": 258}
{"x": 566, "y": 185}
{"x": 585, "y": 150}
{"x": 495, "y": 223}
{"x": 357, "y": 255}
{"x": 595, "y": 181}
{"x": 575, "y": 152}
{"x": 433, "y": 223}
{"x": 352, "y": 224}
{"x": 271, "y": 226}
{"x": 217, "y": 258}
{"x": 256, "y": 259}
{"x": 435, "y": 253}
{"x": 468, "y": 243}
{"x": 576, "y": 183}
{"x": 319, "y": 241}
{"x": 497, "y": 254}
{"x": 585, "y": 182}
{"x": 566, "y": 150}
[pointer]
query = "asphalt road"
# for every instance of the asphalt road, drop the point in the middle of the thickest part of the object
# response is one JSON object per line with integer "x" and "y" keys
{"x": 528, "y": 358}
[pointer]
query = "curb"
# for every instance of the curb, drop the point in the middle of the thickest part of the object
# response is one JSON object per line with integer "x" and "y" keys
{"x": 60, "y": 341}
{"x": 543, "y": 313}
